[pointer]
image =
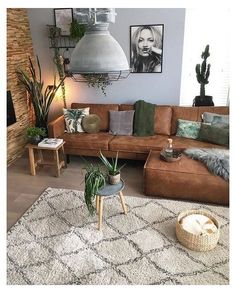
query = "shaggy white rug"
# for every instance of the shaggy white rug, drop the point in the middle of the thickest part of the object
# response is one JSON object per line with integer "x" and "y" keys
{"x": 57, "y": 242}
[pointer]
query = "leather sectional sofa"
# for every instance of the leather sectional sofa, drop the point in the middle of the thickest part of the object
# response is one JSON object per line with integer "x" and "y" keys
{"x": 131, "y": 147}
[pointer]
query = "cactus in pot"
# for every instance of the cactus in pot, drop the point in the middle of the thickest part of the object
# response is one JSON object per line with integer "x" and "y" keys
{"x": 202, "y": 74}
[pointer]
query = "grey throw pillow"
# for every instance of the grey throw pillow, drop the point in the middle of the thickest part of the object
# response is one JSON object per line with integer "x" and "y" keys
{"x": 121, "y": 122}
{"x": 213, "y": 134}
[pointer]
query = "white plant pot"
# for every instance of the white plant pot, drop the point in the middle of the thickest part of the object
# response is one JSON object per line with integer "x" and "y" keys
{"x": 113, "y": 180}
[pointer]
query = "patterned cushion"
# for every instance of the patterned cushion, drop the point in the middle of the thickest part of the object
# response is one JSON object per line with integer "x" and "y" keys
{"x": 73, "y": 119}
{"x": 188, "y": 128}
{"x": 213, "y": 134}
{"x": 209, "y": 117}
{"x": 121, "y": 122}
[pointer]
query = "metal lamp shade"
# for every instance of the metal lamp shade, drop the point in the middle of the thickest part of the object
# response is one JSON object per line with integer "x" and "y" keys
{"x": 98, "y": 52}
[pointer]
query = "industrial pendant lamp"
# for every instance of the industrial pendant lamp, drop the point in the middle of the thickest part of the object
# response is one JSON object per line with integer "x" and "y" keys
{"x": 98, "y": 53}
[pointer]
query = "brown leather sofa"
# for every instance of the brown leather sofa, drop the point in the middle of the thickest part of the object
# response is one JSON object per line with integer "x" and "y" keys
{"x": 131, "y": 147}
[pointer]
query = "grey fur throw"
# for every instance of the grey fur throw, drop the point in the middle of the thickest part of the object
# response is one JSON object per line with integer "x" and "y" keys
{"x": 216, "y": 160}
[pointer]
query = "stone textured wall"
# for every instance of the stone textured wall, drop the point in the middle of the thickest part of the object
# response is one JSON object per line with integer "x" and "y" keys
{"x": 19, "y": 48}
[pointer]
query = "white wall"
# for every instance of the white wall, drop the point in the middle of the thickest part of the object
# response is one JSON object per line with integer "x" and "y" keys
{"x": 158, "y": 88}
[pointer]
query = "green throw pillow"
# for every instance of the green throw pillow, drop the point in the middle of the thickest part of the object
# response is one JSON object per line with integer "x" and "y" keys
{"x": 73, "y": 119}
{"x": 188, "y": 128}
{"x": 213, "y": 134}
{"x": 213, "y": 118}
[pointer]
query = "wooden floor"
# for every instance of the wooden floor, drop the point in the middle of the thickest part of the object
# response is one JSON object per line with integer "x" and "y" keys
{"x": 23, "y": 189}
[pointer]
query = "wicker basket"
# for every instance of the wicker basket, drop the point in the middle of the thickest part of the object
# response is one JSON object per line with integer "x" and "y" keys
{"x": 197, "y": 242}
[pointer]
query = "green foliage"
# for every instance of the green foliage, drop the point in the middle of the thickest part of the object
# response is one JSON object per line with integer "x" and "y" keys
{"x": 77, "y": 30}
{"x": 40, "y": 98}
{"x": 101, "y": 81}
{"x": 32, "y": 132}
{"x": 112, "y": 166}
{"x": 94, "y": 180}
{"x": 203, "y": 71}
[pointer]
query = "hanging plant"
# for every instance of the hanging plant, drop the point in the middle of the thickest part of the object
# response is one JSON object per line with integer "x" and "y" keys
{"x": 101, "y": 81}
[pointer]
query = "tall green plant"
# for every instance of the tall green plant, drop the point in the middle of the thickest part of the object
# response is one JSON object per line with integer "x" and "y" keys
{"x": 41, "y": 98}
{"x": 203, "y": 71}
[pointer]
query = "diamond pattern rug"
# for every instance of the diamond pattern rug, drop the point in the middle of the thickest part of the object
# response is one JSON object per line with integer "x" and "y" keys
{"x": 57, "y": 242}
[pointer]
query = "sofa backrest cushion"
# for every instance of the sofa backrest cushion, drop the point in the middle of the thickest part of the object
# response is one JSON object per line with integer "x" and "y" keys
{"x": 181, "y": 112}
{"x": 102, "y": 110}
{"x": 163, "y": 115}
{"x": 193, "y": 113}
{"x": 162, "y": 118}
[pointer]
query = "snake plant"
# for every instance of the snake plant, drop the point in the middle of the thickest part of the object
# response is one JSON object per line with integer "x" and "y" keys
{"x": 41, "y": 98}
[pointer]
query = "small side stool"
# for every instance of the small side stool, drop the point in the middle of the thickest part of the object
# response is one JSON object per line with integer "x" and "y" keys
{"x": 57, "y": 162}
{"x": 109, "y": 190}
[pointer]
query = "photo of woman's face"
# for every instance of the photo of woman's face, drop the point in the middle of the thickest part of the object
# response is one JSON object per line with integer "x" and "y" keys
{"x": 145, "y": 42}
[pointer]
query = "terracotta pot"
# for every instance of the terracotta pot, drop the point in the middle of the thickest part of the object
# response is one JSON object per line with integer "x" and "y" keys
{"x": 113, "y": 180}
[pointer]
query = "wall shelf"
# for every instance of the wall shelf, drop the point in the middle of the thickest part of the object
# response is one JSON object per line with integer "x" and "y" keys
{"x": 62, "y": 42}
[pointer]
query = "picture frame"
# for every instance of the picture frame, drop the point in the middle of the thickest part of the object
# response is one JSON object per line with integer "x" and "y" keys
{"x": 146, "y": 48}
{"x": 63, "y": 18}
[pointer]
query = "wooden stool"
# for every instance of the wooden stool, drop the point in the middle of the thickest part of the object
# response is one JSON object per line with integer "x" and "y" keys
{"x": 58, "y": 163}
{"x": 109, "y": 190}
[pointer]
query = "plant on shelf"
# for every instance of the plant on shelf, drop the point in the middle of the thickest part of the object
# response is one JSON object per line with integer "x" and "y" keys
{"x": 202, "y": 74}
{"x": 77, "y": 30}
{"x": 112, "y": 168}
{"x": 94, "y": 180}
{"x": 40, "y": 98}
{"x": 35, "y": 134}
{"x": 101, "y": 81}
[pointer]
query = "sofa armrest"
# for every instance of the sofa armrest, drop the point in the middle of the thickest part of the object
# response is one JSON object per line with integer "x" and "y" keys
{"x": 56, "y": 127}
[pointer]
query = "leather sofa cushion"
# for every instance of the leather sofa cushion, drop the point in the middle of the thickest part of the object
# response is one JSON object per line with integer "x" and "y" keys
{"x": 162, "y": 118}
{"x": 183, "y": 143}
{"x": 87, "y": 141}
{"x": 137, "y": 144}
{"x": 163, "y": 115}
{"x": 102, "y": 110}
{"x": 193, "y": 113}
{"x": 181, "y": 112}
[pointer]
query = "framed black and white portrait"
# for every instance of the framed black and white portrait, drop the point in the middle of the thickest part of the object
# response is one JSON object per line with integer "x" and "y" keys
{"x": 63, "y": 18}
{"x": 146, "y": 48}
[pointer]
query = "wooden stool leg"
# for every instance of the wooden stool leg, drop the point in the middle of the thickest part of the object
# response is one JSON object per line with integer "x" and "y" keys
{"x": 123, "y": 202}
{"x": 100, "y": 211}
{"x": 40, "y": 153}
{"x": 97, "y": 203}
{"x": 31, "y": 161}
{"x": 57, "y": 163}
{"x": 64, "y": 157}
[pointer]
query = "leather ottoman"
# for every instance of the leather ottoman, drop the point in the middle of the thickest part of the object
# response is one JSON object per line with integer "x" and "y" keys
{"x": 184, "y": 179}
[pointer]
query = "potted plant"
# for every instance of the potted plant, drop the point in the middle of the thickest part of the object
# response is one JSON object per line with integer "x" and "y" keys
{"x": 35, "y": 134}
{"x": 112, "y": 168}
{"x": 203, "y": 73}
{"x": 94, "y": 180}
{"x": 40, "y": 98}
